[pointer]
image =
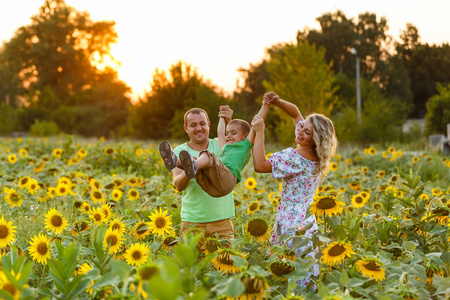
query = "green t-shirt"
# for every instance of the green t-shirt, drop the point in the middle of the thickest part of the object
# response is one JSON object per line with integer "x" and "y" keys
{"x": 235, "y": 156}
{"x": 198, "y": 206}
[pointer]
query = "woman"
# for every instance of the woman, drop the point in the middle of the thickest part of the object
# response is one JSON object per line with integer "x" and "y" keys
{"x": 300, "y": 169}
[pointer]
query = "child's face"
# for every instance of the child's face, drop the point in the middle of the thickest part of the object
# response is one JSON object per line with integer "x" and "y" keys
{"x": 234, "y": 134}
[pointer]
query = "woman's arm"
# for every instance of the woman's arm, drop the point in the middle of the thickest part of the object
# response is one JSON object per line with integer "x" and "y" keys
{"x": 260, "y": 163}
{"x": 288, "y": 107}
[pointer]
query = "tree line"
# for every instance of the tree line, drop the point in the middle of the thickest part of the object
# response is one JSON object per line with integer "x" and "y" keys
{"x": 50, "y": 81}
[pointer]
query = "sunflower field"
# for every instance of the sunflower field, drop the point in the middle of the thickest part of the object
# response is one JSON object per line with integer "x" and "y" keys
{"x": 96, "y": 219}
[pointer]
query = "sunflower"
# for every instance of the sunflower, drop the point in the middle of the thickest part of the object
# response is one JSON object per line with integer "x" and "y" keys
{"x": 54, "y": 221}
{"x": 160, "y": 223}
{"x": 107, "y": 211}
{"x": 118, "y": 183}
{"x": 39, "y": 248}
{"x": 336, "y": 252}
{"x": 109, "y": 151}
{"x": 358, "y": 200}
{"x": 81, "y": 153}
{"x": 12, "y": 158}
{"x": 118, "y": 225}
{"x": 83, "y": 269}
{"x": 348, "y": 161}
{"x": 391, "y": 150}
{"x": 365, "y": 170}
{"x": 436, "y": 192}
{"x": 371, "y": 267}
{"x": 253, "y": 207}
{"x": 211, "y": 245}
{"x": 57, "y": 152}
{"x": 97, "y": 215}
{"x": 95, "y": 183}
{"x": 137, "y": 254}
{"x": 377, "y": 206}
{"x": 224, "y": 261}
{"x": 258, "y": 228}
{"x": 13, "y": 198}
{"x": 381, "y": 174}
{"x": 255, "y": 287}
{"x": 112, "y": 238}
{"x": 97, "y": 196}
{"x": 33, "y": 186}
{"x": 333, "y": 167}
{"x": 63, "y": 180}
{"x": 141, "y": 230}
{"x": 139, "y": 152}
{"x": 116, "y": 194}
{"x": 250, "y": 183}
{"x": 281, "y": 267}
{"x": 62, "y": 190}
{"x": 169, "y": 242}
{"x": 355, "y": 186}
{"x": 415, "y": 159}
{"x": 133, "y": 195}
{"x": 7, "y": 231}
{"x": 23, "y": 152}
{"x": 79, "y": 227}
{"x": 23, "y": 181}
{"x": 7, "y": 286}
{"x": 85, "y": 208}
{"x": 133, "y": 181}
{"x": 326, "y": 204}
{"x": 433, "y": 270}
{"x": 441, "y": 214}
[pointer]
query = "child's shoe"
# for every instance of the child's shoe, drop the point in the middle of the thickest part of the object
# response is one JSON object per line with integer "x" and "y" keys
{"x": 189, "y": 165}
{"x": 170, "y": 159}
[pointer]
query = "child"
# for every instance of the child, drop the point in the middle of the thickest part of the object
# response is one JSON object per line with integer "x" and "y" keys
{"x": 217, "y": 175}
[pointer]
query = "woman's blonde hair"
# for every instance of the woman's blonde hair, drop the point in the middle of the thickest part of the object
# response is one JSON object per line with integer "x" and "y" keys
{"x": 325, "y": 140}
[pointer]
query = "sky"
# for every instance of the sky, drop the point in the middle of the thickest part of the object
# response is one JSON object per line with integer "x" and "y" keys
{"x": 219, "y": 37}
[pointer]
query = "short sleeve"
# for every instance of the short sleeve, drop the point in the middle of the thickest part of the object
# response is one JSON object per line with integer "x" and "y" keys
{"x": 280, "y": 161}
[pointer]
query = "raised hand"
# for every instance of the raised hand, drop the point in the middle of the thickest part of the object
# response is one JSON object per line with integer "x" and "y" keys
{"x": 258, "y": 123}
{"x": 271, "y": 98}
{"x": 225, "y": 112}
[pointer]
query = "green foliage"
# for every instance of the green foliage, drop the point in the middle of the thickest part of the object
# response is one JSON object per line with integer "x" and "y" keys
{"x": 9, "y": 119}
{"x": 43, "y": 128}
{"x": 438, "y": 111}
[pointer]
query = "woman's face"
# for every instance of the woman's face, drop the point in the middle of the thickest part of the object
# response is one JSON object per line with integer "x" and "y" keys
{"x": 304, "y": 136}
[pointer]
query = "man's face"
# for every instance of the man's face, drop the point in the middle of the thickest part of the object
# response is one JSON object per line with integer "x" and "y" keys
{"x": 197, "y": 128}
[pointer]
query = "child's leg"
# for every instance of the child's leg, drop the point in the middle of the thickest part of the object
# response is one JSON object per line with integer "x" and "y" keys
{"x": 189, "y": 165}
{"x": 169, "y": 158}
{"x": 203, "y": 160}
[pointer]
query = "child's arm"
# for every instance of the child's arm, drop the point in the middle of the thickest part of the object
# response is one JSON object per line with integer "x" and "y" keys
{"x": 260, "y": 163}
{"x": 263, "y": 114}
{"x": 288, "y": 107}
{"x": 221, "y": 132}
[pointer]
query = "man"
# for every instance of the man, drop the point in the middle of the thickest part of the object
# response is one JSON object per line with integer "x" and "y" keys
{"x": 198, "y": 209}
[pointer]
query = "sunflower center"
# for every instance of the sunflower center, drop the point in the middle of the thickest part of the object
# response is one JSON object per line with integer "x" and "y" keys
{"x": 8, "y": 286}
{"x": 336, "y": 250}
{"x": 113, "y": 239}
{"x": 141, "y": 229}
{"x": 97, "y": 217}
{"x": 97, "y": 195}
{"x": 148, "y": 272}
{"x": 160, "y": 222}
{"x": 257, "y": 228}
{"x": 42, "y": 248}
{"x": 280, "y": 268}
{"x": 116, "y": 226}
{"x": 253, "y": 285}
{"x": 56, "y": 221}
{"x": 62, "y": 190}
{"x": 4, "y": 232}
{"x": 133, "y": 194}
{"x": 359, "y": 200}
{"x": 326, "y": 203}
{"x": 14, "y": 197}
{"x": 372, "y": 266}
{"x": 225, "y": 258}
{"x": 24, "y": 181}
{"x": 253, "y": 206}
{"x": 136, "y": 255}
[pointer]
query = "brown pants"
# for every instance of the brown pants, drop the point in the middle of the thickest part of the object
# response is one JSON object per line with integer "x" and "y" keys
{"x": 224, "y": 228}
{"x": 216, "y": 179}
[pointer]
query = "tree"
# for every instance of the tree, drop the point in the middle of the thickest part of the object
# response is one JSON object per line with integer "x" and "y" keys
{"x": 438, "y": 111}
{"x": 160, "y": 114}
{"x": 56, "y": 59}
{"x": 300, "y": 74}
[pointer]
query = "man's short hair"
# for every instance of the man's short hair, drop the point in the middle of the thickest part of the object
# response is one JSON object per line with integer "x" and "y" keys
{"x": 244, "y": 125}
{"x": 197, "y": 111}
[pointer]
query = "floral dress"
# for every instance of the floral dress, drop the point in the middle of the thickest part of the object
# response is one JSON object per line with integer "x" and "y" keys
{"x": 298, "y": 190}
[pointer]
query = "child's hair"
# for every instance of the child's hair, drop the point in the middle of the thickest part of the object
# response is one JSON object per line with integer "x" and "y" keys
{"x": 325, "y": 140}
{"x": 244, "y": 125}
{"x": 197, "y": 111}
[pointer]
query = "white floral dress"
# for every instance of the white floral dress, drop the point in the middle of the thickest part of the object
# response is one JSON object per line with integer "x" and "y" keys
{"x": 298, "y": 189}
